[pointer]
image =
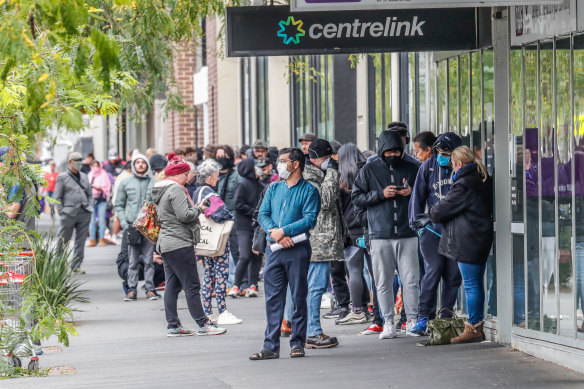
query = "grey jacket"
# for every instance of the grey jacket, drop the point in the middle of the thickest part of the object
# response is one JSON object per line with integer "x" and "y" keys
{"x": 229, "y": 198}
{"x": 178, "y": 216}
{"x": 132, "y": 193}
{"x": 73, "y": 195}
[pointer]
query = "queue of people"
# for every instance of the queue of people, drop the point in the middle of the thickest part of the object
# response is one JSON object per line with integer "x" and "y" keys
{"x": 320, "y": 217}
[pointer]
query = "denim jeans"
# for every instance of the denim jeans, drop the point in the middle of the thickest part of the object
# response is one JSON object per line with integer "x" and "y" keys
{"x": 99, "y": 211}
{"x": 289, "y": 307}
{"x": 318, "y": 281}
{"x": 474, "y": 289}
{"x": 518, "y": 293}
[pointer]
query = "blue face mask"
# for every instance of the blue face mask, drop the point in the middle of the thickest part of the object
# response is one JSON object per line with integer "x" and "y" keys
{"x": 442, "y": 160}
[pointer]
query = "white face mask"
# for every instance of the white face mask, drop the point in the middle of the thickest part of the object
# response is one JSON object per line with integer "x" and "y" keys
{"x": 283, "y": 171}
{"x": 77, "y": 165}
{"x": 258, "y": 171}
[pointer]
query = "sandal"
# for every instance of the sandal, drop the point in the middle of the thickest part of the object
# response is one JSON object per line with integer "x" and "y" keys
{"x": 264, "y": 354}
{"x": 297, "y": 352}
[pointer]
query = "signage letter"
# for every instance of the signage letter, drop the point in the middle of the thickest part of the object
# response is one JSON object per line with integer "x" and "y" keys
{"x": 330, "y": 31}
{"x": 376, "y": 29}
{"x": 311, "y": 31}
{"x": 347, "y": 26}
{"x": 417, "y": 27}
{"x": 356, "y": 28}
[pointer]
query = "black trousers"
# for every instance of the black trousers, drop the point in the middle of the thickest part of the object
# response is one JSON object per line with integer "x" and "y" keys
{"x": 248, "y": 267}
{"x": 283, "y": 267}
{"x": 339, "y": 281}
{"x": 180, "y": 268}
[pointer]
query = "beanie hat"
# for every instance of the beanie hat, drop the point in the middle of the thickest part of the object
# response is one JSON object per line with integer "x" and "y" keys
{"x": 158, "y": 162}
{"x": 176, "y": 166}
{"x": 319, "y": 148}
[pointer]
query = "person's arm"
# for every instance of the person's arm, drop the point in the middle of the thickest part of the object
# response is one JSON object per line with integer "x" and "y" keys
{"x": 241, "y": 205}
{"x": 361, "y": 195}
{"x": 265, "y": 212}
{"x": 418, "y": 198}
{"x": 181, "y": 206}
{"x": 88, "y": 193}
{"x": 329, "y": 190}
{"x": 452, "y": 205}
{"x": 58, "y": 195}
{"x": 310, "y": 211}
{"x": 149, "y": 191}
{"x": 11, "y": 210}
{"x": 120, "y": 205}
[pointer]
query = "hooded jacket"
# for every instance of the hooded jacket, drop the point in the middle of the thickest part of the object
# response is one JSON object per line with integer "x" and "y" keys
{"x": 350, "y": 215}
{"x": 247, "y": 194}
{"x": 328, "y": 237}
{"x": 466, "y": 214}
{"x": 178, "y": 216}
{"x": 228, "y": 194}
{"x": 433, "y": 182}
{"x": 386, "y": 218}
{"x": 132, "y": 192}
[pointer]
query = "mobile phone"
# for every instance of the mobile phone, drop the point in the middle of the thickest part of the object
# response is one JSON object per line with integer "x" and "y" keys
{"x": 402, "y": 186}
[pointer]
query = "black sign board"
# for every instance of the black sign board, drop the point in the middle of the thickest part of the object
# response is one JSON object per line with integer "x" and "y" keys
{"x": 274, "y": 30}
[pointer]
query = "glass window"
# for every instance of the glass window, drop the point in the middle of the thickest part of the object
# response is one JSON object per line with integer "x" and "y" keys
{"x": 453, "y": 96}
{"x": 246, "y": 100}
{"x": 477, "y": 101}
{"x": 578, "y": 69}
{"x": 379, "y": 102}
{"x": 442, "y": 90}
{"x": 465, "y": 92}
{"x": 413, "y": 91}
{"x": 263, "y": 101}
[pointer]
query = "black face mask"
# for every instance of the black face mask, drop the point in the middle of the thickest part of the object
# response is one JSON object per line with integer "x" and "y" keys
{"x": 225, "y": 163}
{"x": 392, "y": 161}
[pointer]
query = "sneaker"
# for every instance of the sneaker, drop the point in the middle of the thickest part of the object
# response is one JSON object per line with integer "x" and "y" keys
{"x": 131, "y": 296}
{"x": 421, "y": 326}
{"x": 242, "y": 293}
{"x": 399, "y": 324}
{"x": 161, "y": 286}
{"x": 409, "y": 326}
{"x": 352, "y": 318}
{"x": 388, "y": 332}
{"x": 373, "y": 329}
{"x": 333, "y": 314}
{"x": 343, "y": 313}
{"x": 252, "y": 291}
{"x": 233, "y": 292}
{"x": 152, "y": 295}
{"x": 180, "y": 331}
{"x": 227, "y": 318}
{"x": 285, "y": 328}
{"x": 210, "y": 329}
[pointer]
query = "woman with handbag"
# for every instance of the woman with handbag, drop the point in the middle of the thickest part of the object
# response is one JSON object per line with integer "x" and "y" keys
{"x": 247, "y": 196}
{"x": 101, "y": 188}
{"x": 216, "y": 268}
{"x": 179, "y": 233}
{"x": 466, "y": 213}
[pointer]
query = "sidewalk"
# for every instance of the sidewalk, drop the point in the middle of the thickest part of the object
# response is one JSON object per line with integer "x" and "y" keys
{"x": 124, "y": 344}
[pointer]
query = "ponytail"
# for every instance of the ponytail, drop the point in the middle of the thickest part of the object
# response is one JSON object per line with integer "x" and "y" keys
{"x": 466, "y": 156}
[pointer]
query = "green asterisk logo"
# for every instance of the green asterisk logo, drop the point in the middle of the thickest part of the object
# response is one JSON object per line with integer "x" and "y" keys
{"x": 295, "y": 34}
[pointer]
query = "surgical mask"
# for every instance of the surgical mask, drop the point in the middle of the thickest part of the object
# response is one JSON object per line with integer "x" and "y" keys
{"x": 442, "y": 160}
{"x": 77, "y": 165}
{"x": 258, "y": 171}
{"x": 325, "y": 164}
{"x": 283, "y": 171}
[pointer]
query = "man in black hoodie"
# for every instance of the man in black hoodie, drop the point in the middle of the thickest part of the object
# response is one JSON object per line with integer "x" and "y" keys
{"x": 383, "y": 188}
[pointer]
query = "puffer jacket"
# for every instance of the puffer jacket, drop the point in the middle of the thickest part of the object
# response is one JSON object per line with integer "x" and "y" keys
{"x": 178, "y": 216}
{"x": 466, "y": 214}
{"x": 131, "y": 194}
{"x": 328, "y": 236}
{"x": 228, "y": 194}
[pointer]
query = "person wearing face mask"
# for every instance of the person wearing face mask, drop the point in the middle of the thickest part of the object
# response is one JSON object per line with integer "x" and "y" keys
{"x": 247, "y": 194}
{"x": 467, "y": 215}
{"x": 290, "y": 208}
{"x": 101, "y": 187}
{"x": 383, "y": 188}
{"x": 75, "y": 206}
{"x": 433, "y": 184}
{"x": 129, "y": 200}
{"x": 327, "y": 238}
{"x": 266, "y": 170}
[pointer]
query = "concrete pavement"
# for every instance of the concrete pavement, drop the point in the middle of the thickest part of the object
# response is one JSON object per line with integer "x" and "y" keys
{"x": 124, "y": 344}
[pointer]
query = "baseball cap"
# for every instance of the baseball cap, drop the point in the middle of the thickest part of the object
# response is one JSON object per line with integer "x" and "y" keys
{"x": 112, "y": 154}
{"x": 319, "y": 148}
{"x": 260, "y": 144}
{"x": 75, "y": 156}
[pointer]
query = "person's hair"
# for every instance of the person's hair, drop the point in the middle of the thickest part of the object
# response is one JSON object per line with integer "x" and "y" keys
{"x": 96, "y": 161}
{"x": 228, "y": 151}
{"x": 465, "y": 155}
{"x": 206, "y": 170}
{"x": 179, "y": 152}
{"x": 295, "y": 155}
{"x": 189, "y": 150}
{"x": 91, "y": 155}
{"x": 426, "y": 139}
{"x": 349, "y": 159}
{"x": 236, "y": 151}
{"x": 336, "y": 145}
{"x": 397, "y": 124}
{"x": 368, "y": 153}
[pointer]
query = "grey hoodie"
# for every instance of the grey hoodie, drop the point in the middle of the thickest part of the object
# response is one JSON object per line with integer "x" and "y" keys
{"x": 132, "y": 193}
{"x": 178, "y": 216}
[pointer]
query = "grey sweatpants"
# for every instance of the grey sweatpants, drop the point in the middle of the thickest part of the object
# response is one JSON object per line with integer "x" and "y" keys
{"x": 136, "y": 254}
{"x": 386, "y": 255}
{"x": 80, "y": 224}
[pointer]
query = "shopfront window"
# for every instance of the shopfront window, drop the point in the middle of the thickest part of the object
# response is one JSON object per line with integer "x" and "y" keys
{"x": 453, "y": 89}
{"x": 465, "y": 95}
{"x": 262, "y": 104}
{"x": 379, "y": 70}
{"x": 476, "y": 100}
{"x": 442, "y": 92}
{"x": 578, "y": 70}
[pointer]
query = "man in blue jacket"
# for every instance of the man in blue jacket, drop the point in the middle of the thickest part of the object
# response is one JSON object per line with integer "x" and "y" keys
{"x": 290, "y": 208}
{"x": 432, "y": 184}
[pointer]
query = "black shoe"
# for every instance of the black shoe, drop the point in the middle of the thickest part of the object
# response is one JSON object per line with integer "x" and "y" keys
{"x": 321, "y": 341}
{"x": 333, "y": 314}
{"x": 399, "y": 324}
{"x": 342, "y": 314}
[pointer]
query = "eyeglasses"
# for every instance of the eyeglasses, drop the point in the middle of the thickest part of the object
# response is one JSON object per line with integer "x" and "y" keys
{"x": 284, "y": 161}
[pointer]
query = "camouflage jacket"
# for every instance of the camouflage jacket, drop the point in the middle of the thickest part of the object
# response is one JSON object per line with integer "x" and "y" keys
{"x": 328, "y": 237}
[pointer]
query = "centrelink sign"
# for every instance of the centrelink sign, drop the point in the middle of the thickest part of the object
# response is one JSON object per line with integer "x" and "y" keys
{"x": 254, "y": 31}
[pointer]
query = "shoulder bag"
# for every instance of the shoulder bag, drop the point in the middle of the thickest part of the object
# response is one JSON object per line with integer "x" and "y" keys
{"x": 214, "y": 236}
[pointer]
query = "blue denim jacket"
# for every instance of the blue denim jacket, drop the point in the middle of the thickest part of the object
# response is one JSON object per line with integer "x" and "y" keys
{"x": 294, "y": 209}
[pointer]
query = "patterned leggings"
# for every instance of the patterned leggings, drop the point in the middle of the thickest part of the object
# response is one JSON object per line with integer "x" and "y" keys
{"x": 216, "y": 273}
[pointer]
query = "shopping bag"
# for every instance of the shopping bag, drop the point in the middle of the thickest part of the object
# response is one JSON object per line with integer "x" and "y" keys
{"x": 214, "y": 237}
{"x": 147, "y": 222}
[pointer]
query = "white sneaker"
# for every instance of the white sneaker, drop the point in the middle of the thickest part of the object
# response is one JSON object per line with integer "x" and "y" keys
{"x": 409, "y": 327}
{"x": 228, "y": 318}
{"x": 388, "y": 332}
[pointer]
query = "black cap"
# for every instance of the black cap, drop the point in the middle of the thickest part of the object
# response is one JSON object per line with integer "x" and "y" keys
{"x": 320, "y": 148}
{"x": 308, "y": 136}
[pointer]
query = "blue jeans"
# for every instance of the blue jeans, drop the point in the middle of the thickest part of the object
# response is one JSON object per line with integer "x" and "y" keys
{"x": 474, "y": 289}
{"x": 318, "y": 281}
{"x": 289, "y": 307}
{"x": 99, "y": 210}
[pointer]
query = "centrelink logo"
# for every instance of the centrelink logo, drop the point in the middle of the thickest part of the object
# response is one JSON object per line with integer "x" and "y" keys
{"x": 291, "y": 30}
